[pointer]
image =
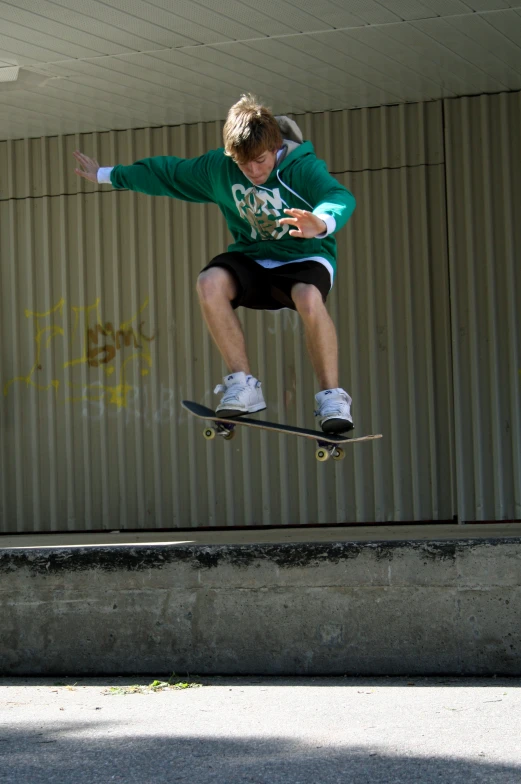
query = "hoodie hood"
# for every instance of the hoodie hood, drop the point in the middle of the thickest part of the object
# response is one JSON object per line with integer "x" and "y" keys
{"x": 289, "y": 129}
{"x": 293, "y": 147}
{"x": 291, "y": 136}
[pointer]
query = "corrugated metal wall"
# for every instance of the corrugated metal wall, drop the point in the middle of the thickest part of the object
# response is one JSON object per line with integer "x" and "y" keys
{"x": 102, "y": 338}
{"x": 483, "y": 199}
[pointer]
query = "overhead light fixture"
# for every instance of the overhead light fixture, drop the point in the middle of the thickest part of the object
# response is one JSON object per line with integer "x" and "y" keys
{"x": 9, "y": 73}
{"x": 13, "y": 77}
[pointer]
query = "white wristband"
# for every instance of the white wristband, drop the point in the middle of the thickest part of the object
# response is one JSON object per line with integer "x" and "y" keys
{"x": 330, "y": 225}
{"x": 104, "y": 174}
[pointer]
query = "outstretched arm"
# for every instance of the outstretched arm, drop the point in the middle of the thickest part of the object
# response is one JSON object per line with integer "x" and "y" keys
{"x": 190, "y": 179}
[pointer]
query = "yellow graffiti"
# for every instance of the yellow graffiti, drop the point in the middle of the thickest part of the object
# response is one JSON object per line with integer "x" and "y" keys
{"x": 116, "y": 395}
{"x": 51, "y": 331}
{"x": 95, "y": 343}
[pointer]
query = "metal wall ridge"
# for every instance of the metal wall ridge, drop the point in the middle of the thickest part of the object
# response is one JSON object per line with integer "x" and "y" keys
{"x": 483, "y": 188}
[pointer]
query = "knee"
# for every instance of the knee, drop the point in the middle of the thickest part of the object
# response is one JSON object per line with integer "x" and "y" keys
{"x": 215, "y": 283}
{"x": 308, "y": 299}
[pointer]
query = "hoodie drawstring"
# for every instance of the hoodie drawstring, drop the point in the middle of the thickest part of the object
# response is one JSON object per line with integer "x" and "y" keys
{"x": 292, "y": 191}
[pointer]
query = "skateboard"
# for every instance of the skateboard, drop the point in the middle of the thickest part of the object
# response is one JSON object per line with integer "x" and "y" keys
{"x": 328, "y": 444}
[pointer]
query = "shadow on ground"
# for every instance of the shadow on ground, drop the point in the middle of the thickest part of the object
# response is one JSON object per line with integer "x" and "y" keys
{"x": 66, "y": 754}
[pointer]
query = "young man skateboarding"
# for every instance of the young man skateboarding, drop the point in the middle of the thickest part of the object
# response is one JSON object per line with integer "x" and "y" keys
{"x": 282, "y": 208}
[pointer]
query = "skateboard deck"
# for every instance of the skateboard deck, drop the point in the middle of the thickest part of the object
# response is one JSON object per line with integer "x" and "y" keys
{"x": 328, "y": 443}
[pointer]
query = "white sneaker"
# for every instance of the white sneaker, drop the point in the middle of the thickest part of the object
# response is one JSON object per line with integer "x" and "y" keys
{"x": 242, "y": 395}
{"x": 334, "y": 410}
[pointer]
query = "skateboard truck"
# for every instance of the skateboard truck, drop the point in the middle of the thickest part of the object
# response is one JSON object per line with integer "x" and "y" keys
{"x": 224, "y": 429}
{"x": 325, "y": 451}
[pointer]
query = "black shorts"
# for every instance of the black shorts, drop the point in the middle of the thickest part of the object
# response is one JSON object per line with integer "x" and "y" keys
{"x": 270, "y": 289}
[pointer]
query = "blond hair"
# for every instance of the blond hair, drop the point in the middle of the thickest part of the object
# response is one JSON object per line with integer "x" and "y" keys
{"x": 250, "y": 129}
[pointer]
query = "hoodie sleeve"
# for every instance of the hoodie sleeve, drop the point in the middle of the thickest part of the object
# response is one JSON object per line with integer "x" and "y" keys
{"x": 189, "y": 179}
{"x": 326, "y": 195}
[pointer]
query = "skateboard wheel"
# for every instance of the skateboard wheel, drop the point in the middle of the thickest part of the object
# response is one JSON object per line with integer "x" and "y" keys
{"x": 209, "y": 433}
{"x": 339, "y": 453}
{"x": 229, "y": 435}
{"x": 322, "y": 454}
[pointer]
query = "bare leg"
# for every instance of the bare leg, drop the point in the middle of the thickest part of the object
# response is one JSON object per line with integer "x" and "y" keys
{"x": 216, "y": 289}
{"x": 321, "y": 338}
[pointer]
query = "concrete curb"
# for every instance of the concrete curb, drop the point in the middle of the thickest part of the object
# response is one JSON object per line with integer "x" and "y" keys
{"x": 322, "y": 608}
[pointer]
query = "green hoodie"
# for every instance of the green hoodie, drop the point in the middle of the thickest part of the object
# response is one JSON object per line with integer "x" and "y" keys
{"x": 252, "y": 212}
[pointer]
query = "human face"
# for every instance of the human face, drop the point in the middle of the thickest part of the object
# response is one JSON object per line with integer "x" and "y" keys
{"x": 258, "y": 170}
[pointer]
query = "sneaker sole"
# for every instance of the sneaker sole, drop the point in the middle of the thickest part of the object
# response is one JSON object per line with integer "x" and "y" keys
{"x": 231, "y": 413}
{"x": 337, "y": 426}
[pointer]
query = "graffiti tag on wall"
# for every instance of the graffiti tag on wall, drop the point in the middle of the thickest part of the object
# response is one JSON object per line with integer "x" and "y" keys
{"x": 115, "y": 350}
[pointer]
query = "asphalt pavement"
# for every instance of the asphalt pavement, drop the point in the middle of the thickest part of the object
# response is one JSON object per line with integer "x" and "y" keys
{"x": 260, "y": 730}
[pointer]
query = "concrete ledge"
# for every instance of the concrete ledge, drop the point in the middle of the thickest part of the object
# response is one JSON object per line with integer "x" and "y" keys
{"x": 333, "y": 607}
{"x": 338, "y": 533}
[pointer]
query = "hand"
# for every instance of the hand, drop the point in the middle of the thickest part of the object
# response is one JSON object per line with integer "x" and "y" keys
{"x": 89, "y": 166}
{"x": 306, "y": 224}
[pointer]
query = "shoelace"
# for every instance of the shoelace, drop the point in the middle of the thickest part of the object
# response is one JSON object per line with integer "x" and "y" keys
{"x": 331, "y": 407}
{"x": 232, "y": 392}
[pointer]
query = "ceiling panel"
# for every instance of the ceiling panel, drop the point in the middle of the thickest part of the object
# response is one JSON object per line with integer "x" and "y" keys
{"x": 484, "y": 33}
{"x": 251, "y": 15}
{"x": 20, "y": 50}
{"x": 329, "y": 56}
{"x": 509, "y": 25}
{"x": 361, "y": 55}
{"x": 241, "y": 65}
{"x": 139, "y": 19}
{"x": 496, "y": 75}
{"x": 300, "y": 15}
{"x": 138, "y": 80}
{"x": 82, "y": 26}
{"x": 24, "y": 25}
{"x": 92, "y": 65}
{"x": 369, "y": 11}
{"x": 424, "y": 9}
{"x": 200, "y": 23}
{"x": 414, "y": 49}
{"x": 490, "y": 5}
